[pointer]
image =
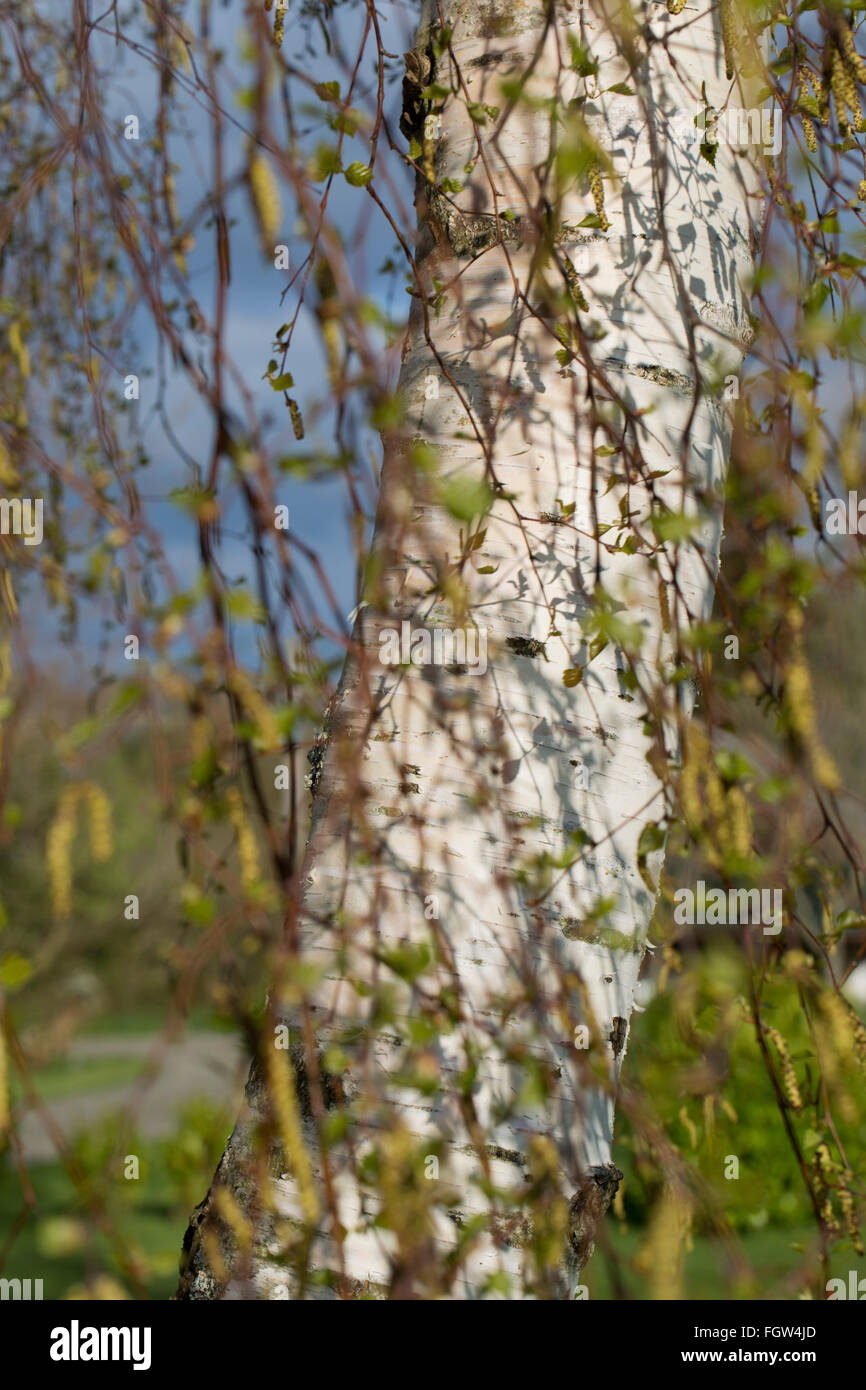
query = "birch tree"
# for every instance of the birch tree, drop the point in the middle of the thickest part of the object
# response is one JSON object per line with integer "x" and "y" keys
{"x": 432, "y": 1109}
{"x": 537, "y": 705}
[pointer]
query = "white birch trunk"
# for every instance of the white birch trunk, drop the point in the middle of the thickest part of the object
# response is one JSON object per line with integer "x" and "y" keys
{"x": 460, "y": 781}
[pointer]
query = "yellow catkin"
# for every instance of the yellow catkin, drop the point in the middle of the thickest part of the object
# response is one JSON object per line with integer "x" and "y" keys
{"x": 861, "y": 190}
{"x": 828, "y": 1216}
{"x": 297, "y": 418}
{"x": 19, "y": 347}
{"x": 58, "y": 854}
{"x": 10, "y": 602}
{"x": 331, "y": 343}
{"x": 596, "y": 187}
{"x": 676, "y": 6}
{"x": 728, "y": 21}
{"x": 824, "y": 1163}
{"x": 799, "y": 705}
{"x": 266, "y": 200}
{"x": 824, "y": 1171}
{"x": 248, "y": 855}
{"x": 237, "y": 1222}
{"x": 809, "y": 134}
{"x": 839, "y": 1018}
{"x": 200, "y": 736}
{"x": 405, "y": 1200}
{"x": 61, "y": 833}
{"x": 574, "y": 286}
{"x": 280, "y": 22}
{"x": 213, "y": 1253}
{"x": 99, "y": 810}
{"x": 789, "y": 1076}
{"x": 845, "y": 91}
{"x": 858, "y": 1033}
{"x": 281, "y": 1088}
{"x": 8, "y": 476}
{"x": 739, "y": 822}
{"x": 846, "y": 1202}
{"x": 269, "y": 735}
{"x": 851, "y": 58}
{"x": 689, "y": 1127}
{"x": 661, "y": 1256}
{"x": 808, "y": 126}
{"x": 689, "y": 790}
{"x": 820, "y": 94}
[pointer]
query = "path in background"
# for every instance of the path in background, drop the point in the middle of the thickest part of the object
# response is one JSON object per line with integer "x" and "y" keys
{"x": 200, "y": 1064}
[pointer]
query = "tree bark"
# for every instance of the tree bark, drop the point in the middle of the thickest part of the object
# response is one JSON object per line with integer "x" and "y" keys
{"x": 518, "y": 803}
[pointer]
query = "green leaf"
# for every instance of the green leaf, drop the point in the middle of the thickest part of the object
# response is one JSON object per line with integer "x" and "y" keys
{"x": 652, "y": 837}
{"x": 15, "y": 970}
{"x": 466, "y": 498}
{"x": 572, "y": 676}
{"x": 282, "y": 383}
{"x": 358, "y": 174}
{"x": 325, "y": 162}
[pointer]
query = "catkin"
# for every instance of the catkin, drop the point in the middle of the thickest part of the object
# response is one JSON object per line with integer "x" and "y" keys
{"x": 237, "y": 1222}
{"x": 799, "y": 706}
{"x": 266, "y": 199}
{"x": 851, "y": 58}
{"x": 58, "y": 851}
{"x": 248, "y": 855}
{"x": 728, "y": 22}
{"x": 824, "y": 1163}
{"x": 99, "y": 809}
{"x": 789, "y": 1076}
{"x": 820, "y": 93}
{"x": 846, "y": 1202}
{"x": 269, "y": 734}
{"x": 739, "y": 823}
{"x": 58, "y": 855}
{"x": 297, "y": 418}
{"x": 676, "y": 6}
{"x": 281, "y": 1088}
{"x": 280, "y": 22}
{"x": 845, "y": 91}
{"x": 574, "y": 285}
{"x": 808, "y": 127}
{"x": 596, "y": 187}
